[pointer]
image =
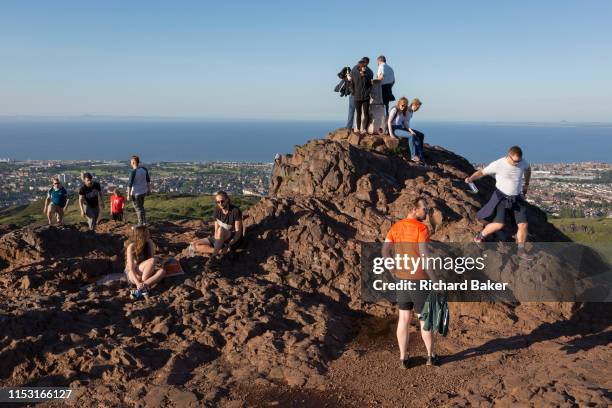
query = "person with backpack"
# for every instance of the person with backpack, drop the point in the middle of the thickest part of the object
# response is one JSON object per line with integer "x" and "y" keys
{"x": 56, "y": 202}
{"x": 345, "y": 89}
{"x": 399, "y": 120}
{"x": 139, "y": 185}
{"x": 362, "y": 77}
{"x": 117, "y": 205}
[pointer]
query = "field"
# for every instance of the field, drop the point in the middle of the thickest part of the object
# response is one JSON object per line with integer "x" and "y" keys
{"x": 158, "y": 206}
{"x": 586, "y": 230}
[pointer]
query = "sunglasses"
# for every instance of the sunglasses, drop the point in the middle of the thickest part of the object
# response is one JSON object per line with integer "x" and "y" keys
{"x": 56, "y": 184}
{"x": 514, "y": 161}
{"x": 220, "y": 201}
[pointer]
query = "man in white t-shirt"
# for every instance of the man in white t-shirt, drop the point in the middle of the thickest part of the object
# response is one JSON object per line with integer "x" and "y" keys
{"x": 387, "y": 78}
{"x": 512, "y": 174}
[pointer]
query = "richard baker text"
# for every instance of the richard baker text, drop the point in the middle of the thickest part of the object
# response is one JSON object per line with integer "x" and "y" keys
{"x": 472, "y": 284}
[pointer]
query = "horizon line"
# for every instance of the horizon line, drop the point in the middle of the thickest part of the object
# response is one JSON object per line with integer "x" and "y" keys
{"x": 260, "y": 119}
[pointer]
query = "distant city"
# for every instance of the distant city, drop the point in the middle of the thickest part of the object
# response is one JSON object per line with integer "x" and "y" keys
{"x": 572, "y": 189}
{"x": 28, "y": 181}
{"x": 562, "y": 190}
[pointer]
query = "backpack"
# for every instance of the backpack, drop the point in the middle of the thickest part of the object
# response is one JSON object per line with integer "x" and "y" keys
{"x": 172, "y": 267}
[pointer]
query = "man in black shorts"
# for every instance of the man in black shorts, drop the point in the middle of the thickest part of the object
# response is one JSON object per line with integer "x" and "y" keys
{"x": 228, "y": 229}
{"x": 512, "y": 174}
{"x": 410, "y": 237}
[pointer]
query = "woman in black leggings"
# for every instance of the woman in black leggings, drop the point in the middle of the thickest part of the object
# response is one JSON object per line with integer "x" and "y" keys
{"x": 362, "y": 84}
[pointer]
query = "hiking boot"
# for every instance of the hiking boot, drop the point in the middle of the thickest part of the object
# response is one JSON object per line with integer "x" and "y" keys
{"x": 479, "y": 240}
{"x": 190, "y": 251}
{"x": 405, "y": 364}
{"x": 212, "y": 263}
{"x": 524, "y": 255}
{"x": 433, "y": 361}
{"x": 144, "y": 293}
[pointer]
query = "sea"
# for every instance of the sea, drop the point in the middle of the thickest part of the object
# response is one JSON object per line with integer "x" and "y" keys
{"x": 258, "y": 141}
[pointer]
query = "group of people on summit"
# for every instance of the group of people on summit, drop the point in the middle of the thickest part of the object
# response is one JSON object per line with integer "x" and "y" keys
{"x": 369, "y": 97}
{"x": 368, "y": 94}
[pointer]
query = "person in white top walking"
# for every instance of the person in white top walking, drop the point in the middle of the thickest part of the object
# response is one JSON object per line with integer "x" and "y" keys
{"x": 512, "y": 175}
{"x": 139, "y": 186}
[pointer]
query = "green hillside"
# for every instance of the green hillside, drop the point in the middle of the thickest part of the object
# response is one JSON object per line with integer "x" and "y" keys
{"x": 587, "y": 230}
{"x": 159, "y": 207}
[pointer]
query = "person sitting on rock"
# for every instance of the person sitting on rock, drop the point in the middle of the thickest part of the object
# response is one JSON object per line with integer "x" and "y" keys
{"x": 399, "y": 120}
{"x": 228, "y": 229}
{"x": 512, "y": 174}
{"x": 409, "y": 237}
{"x": 56, "y": 202}
{"x": 142, "y": 268}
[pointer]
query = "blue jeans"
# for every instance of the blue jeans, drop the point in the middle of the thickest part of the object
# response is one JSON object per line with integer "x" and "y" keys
{"x": 415, "y": 142}
{"x": 351, "y": 112}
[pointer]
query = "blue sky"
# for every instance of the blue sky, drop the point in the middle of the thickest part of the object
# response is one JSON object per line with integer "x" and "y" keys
{"x": 470, "y": 60}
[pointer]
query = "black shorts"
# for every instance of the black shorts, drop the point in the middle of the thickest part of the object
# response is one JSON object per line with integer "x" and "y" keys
{"x": 117, "y": 216}
{"x": 387, "y": 93}
{"x": 412, "y": 299}
{"x": 236, "y": 244}
{"x": 518, "y": 209}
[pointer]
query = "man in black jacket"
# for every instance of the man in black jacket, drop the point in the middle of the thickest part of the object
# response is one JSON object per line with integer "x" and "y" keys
{"x": 345, "y": 89}
{"x": 362, "y": 84}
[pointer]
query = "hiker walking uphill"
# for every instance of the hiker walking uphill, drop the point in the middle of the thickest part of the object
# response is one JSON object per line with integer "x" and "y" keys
{"x": 90, "y": 200}
{"x": 139, "y": 185}
{"x": 512, "y": 174}
{"x": 409, "y": 237}
{"x": 56, "y": 202}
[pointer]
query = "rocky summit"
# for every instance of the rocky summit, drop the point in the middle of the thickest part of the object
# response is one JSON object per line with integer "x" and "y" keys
{"x": 282, "y": 323}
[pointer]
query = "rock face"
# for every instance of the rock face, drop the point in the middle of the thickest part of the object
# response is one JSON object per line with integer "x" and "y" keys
{"x": 277, "y": 313}
{"x": 331, "y": 195}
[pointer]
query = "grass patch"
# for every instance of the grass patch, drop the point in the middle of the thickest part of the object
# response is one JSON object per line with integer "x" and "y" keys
{"x": 159, "y": 207}
{"x": 587, "y": 230}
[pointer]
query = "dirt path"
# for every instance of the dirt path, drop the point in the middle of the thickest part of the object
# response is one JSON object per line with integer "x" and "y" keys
{"x": 490, "y": 366}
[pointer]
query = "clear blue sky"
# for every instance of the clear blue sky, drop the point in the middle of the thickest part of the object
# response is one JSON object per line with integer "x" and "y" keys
{"x": 467, "y": 60}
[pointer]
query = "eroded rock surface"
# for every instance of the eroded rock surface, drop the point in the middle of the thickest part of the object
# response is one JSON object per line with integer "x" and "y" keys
{"x": 278, "y": 313}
